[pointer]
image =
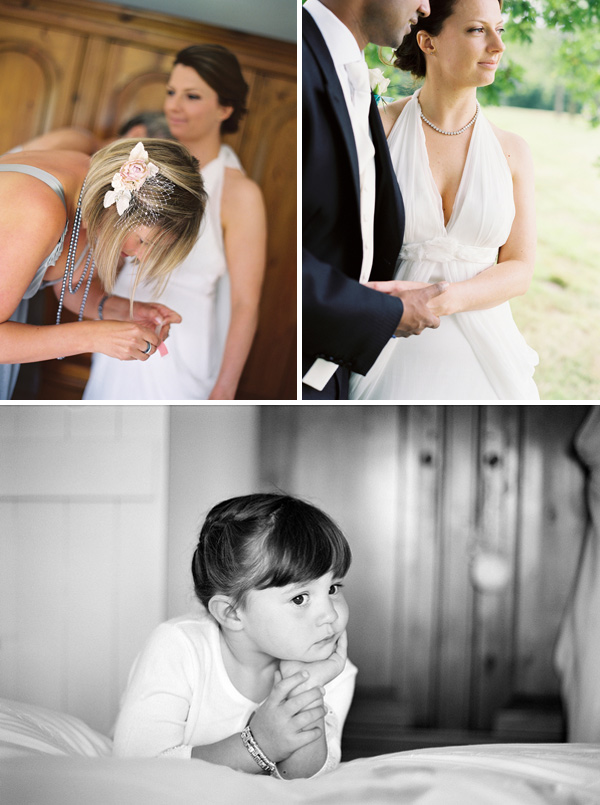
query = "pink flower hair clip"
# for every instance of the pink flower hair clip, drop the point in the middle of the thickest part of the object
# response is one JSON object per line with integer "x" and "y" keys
{"x": 130, "y": 178}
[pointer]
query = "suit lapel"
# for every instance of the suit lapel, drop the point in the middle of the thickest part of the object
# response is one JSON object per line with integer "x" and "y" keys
{"x": 389, "y": 208}
{"x": 314, "y": 40}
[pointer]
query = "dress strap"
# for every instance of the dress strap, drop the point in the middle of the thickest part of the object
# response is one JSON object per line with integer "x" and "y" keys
{"x": 40, "y": 174}
{"x": 230, "y": 158}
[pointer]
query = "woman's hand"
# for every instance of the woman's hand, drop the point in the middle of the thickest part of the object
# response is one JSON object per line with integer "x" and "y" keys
{"x": 322, "y": 671}
{"x": 148, "y": 314}
{"x": 126, "y": 341}
{"x": 151, "y": 314}
{"x": 287, "y": 719}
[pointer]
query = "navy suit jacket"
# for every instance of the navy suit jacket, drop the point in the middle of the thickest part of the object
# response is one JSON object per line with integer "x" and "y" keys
{"x": 341, "y": 319}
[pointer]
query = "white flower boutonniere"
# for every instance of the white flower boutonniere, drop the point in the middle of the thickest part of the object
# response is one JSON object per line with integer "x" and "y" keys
{"x": 379, "y": 83}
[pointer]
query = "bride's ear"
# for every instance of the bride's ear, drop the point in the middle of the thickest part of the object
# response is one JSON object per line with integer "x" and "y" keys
{"x": 223, "y": 610}
{"x": 425, "y": 42}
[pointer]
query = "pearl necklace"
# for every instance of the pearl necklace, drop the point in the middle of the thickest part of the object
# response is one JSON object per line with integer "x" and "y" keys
{"x": 452, "y": 133}
{"x": 67, "y": 281}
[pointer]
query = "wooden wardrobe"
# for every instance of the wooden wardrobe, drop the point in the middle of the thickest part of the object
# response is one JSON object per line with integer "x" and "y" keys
{"x": 435, "y": 500}
{"x": 94, "y": 65}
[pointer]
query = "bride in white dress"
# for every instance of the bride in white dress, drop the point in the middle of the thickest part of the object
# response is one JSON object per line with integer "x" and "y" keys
{"x": 216, "y": 290}
{"x": 468, "y": 192}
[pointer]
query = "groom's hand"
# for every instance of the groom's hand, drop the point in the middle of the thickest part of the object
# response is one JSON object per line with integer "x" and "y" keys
{"x": 417, "y": 315}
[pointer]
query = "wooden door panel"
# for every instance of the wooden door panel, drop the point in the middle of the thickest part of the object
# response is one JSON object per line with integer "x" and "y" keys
{"x": 269, "y": 153}
{"x": 133, "y": 81}
{"x": 38, "y": 68}
{"x": 83, "y": 570}
{"x": 455, "y": 521}
{"x": 493, "y": 550}
{"x": 421, "y": 452}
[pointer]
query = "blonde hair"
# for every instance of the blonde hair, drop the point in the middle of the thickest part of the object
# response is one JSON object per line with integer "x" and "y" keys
{"x": 176, "y": 216}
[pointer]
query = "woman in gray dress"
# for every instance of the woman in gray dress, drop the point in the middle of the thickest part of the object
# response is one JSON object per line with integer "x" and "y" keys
{"x": 63, "y": 215}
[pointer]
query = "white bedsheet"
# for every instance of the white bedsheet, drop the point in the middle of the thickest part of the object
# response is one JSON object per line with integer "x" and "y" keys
{"x": 551, "y": 774}
{"x": 50, "y": 758}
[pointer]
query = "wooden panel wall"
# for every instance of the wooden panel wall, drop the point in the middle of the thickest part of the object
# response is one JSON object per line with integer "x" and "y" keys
{"x": 83, "y": 494}
{"x": 426, "y": 494}
{"x": 74, "y": 62}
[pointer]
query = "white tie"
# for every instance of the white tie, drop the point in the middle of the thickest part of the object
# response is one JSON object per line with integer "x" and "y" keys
{"x": 358, "y": 76}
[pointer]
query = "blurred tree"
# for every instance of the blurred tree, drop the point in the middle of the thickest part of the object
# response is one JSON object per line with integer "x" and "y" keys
{"x": 578, "y": 54}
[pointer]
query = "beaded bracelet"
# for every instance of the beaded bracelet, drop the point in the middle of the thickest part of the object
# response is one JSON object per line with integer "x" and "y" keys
{"x": 258, "y": 755}
{"x": 101, "y": 305}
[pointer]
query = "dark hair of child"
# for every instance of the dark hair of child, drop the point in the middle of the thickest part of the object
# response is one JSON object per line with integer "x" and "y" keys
{"x": 265, "y": 540}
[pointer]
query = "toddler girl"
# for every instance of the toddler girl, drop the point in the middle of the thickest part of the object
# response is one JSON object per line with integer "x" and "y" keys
{"x": 259, "y": 680}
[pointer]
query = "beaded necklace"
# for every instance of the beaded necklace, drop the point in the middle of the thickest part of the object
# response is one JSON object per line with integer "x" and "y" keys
{"x": 88, "y": 271}
{"x": 452, "y": 133}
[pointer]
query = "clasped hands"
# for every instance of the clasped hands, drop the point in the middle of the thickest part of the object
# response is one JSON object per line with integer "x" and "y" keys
{"x": 423, "y": 303}
{"x": 147, "y": 323}
{"x": 291, "y": 715}
{"x": 146, "y": 314}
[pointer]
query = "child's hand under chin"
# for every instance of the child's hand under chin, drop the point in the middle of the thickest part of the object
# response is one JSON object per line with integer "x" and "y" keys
{"x": 320, "y": 672}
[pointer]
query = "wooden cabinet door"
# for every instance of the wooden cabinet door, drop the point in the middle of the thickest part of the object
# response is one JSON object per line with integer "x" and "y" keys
{"x": 39, "y": 69}
{"x": 126, "y": 79}
{"x": 268, "y": 150}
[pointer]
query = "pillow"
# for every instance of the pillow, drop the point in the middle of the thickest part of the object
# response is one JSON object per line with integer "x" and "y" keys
{"x": 26, "y": 729}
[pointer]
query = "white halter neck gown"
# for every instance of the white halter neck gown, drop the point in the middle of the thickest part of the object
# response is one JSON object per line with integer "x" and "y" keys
{"x": 198, "y": 290}
{"x": 473, "y": 355}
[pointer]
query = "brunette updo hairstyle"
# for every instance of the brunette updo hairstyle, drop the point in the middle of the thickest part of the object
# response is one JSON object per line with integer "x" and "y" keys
{"x": 409, "y": 56}
{"x": 221, "y": 70}
{"x": 265, "y": 540}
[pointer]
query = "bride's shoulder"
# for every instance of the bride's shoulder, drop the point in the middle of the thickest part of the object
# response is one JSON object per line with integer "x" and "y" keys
{"x": 390, "y": 113}
{"x": 516, "y": 149}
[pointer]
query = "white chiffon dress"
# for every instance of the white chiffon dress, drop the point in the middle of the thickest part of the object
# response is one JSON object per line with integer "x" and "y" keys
{"x": 477, "y": 354}
{"x": 577, "y": 652}
{"x": 198, "y": 289}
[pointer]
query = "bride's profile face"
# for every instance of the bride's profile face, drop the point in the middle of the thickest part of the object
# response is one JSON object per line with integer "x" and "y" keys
{"x": 469, "y": 46}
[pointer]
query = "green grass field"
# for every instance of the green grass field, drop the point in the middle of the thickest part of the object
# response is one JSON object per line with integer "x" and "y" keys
{"x": 560, "y": 314}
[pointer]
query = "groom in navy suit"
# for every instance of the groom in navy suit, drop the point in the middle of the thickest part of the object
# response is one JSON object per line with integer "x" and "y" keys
{"x": 352, "y": 211}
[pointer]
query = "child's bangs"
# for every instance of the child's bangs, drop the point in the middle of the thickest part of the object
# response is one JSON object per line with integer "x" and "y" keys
{"x": 302, "y": 546}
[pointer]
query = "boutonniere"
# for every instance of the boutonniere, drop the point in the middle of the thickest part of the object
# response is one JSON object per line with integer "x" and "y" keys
{"x": 379, "y": 83}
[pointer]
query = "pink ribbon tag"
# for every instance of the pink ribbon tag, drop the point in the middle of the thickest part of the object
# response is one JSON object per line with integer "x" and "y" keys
{"x": 162, "y": 347}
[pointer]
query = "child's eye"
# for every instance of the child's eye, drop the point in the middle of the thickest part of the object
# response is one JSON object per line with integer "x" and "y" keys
{"x": 335, "y": 588}
{"x": 299, "y": 600}
{"x": 194, "y": 97}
